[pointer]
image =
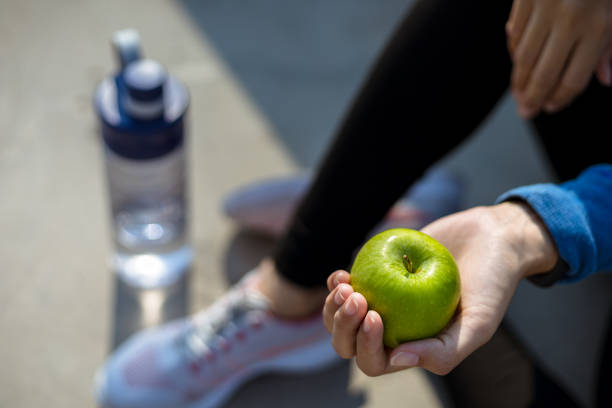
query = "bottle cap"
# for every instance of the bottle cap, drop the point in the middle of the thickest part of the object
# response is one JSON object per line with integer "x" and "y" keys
{"x": 126, "y": 44}
{"x": 144, "y": 80}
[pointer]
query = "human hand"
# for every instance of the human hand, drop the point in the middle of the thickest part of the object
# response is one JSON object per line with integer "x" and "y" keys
{"x": 494, "y": 247}
{"x": 556, "y": 45}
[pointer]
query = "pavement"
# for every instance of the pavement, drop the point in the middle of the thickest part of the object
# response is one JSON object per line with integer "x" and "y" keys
{"x": 269, "y": 81}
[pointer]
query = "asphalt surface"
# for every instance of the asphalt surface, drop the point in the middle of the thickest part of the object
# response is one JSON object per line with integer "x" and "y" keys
{"x": 269, "y": 81}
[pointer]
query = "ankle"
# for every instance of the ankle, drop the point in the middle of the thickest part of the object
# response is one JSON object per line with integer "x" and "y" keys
{"x": 287, "y": 299}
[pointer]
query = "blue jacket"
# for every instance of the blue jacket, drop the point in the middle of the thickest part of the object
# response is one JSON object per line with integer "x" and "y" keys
{"x": 578, "y": 214}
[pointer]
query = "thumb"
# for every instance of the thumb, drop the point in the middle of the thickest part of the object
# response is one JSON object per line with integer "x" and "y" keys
{"x": 441, "y": 354}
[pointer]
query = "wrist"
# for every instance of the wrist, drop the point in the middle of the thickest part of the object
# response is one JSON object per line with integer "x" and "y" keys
{"x": 527, "y": 236}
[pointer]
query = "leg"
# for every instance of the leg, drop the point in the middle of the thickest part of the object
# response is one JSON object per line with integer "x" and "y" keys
{"x": 604, "y": 377}
{"x": 411, "y": 111}
{"x": 575, "y": 138}
{"x": 502, "y": 373}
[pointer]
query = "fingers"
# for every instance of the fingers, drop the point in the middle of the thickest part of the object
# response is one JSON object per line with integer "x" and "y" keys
{"x": 355, "y": 330}
{"x": 334, "y": 300}
{"x": 337, "y": 295}
{"x": 346, "y": 323}
{"x": 519, "y": 17}
{"x": 576, "y": 76}
{"x": 545, "y": 74}
{"x": 372, "y": 357}
{"x": 444, "y": 352}
{"x": 557, "y": 51}
{"x": 337, "y": 278}
{"x": 529, "y": 48}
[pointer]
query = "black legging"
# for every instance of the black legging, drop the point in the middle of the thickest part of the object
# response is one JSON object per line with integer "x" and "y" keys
{"x": 438, "y": 78}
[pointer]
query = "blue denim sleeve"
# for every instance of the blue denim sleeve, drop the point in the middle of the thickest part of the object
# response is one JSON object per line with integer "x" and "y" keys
{"x": 578, "y": 214}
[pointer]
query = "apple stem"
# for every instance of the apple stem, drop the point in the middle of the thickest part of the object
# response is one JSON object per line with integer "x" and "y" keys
{"x": 408, "y": 264}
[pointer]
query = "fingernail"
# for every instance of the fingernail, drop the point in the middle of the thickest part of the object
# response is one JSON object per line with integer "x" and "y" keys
{"x": 339, "y": 297}
{"x": 404, "y": 359}
{"x": 351, "y": 306}
{"x": 367, "y": 323}
{"x": 336, "y": 282}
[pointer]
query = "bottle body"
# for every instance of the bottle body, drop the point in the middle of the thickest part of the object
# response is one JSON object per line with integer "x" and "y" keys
{"x": 148, "y": 201}
{"x": 149, "y": 218}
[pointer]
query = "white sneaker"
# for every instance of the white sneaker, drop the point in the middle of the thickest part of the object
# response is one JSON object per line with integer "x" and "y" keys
{"x": 200, "y": 361}
{"x": 267, "y": 206}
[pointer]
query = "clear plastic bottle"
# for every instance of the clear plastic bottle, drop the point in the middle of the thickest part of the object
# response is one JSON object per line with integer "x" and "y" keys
{"x": 142, "y": 112}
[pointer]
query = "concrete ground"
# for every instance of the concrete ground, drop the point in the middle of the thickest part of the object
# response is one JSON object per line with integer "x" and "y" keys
{"x": 268, "y": 81}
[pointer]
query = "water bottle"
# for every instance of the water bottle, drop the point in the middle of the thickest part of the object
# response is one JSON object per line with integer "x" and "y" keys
{"x": 142, "y": 119}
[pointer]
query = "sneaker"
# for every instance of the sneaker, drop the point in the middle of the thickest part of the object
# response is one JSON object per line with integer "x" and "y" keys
{"x": 200, "y": 361}
{"x": 266, "y": 207}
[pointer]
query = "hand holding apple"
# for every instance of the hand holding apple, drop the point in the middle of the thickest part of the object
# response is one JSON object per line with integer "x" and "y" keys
{"x": 494, "y": 247}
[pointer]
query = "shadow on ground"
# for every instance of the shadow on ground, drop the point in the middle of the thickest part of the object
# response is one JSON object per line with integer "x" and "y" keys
{"x": 138, "y": 309}
{"x": 325, "y": 388}
{"x": 300, "y": 62}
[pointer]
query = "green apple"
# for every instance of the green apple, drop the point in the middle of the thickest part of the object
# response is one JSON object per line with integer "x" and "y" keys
{"x": 411, "y": 280}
